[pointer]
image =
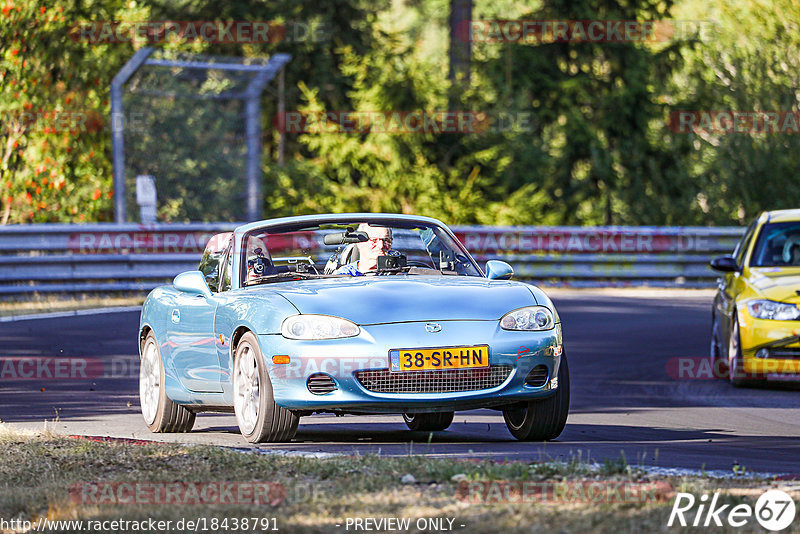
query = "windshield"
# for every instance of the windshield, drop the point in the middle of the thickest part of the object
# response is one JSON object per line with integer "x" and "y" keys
{"x": 778, "y": 244}
{"x": 357, "y": 248}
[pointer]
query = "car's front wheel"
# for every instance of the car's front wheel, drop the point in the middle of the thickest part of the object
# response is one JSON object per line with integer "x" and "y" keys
{"x": 542, "y": 420}
{"x": 429, "y": 422}
{"x": 719, "y": 364}
{"x": 735, "y": 363}
{"x": 259, "y": 417}
{"x": 736, "y": 373}
{"x": 160, "y": 413}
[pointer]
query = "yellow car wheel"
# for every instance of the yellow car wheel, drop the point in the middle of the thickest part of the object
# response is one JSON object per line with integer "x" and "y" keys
{"x": 735, "y": 362}
{"x": 736, "y": 373}
{"x": 719, "y": 364}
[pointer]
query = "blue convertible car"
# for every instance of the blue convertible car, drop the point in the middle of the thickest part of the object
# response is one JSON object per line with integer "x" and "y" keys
{"x": 349, "y": 313}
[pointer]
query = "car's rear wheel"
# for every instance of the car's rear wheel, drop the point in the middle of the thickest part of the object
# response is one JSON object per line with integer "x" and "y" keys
{"x": 259, "y": 417}
{"x": 159, "y": 412}
{"x": 719, "y": 364}
{"x": 542, "y": 420}
{"x": 429, "y": 422}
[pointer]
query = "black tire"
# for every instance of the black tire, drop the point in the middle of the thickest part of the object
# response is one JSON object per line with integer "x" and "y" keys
{"x": 428, "y": 422}
{"x": 736, "y": 373}
{"x": 273, "y": 423}
{"x": 169, "y": 416}
{"x": 719, "y": 360}
{"x": 542, "y": 420}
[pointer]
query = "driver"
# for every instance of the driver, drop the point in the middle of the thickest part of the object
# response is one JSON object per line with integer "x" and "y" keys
{"x": 378, "y": 244}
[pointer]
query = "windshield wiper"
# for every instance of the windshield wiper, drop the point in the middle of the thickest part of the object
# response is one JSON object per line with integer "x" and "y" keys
{"x": 417, "y": 270}
{"x": 277, "y": 277}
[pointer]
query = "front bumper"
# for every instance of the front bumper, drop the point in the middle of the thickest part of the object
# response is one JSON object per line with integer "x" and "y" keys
{"x": 769, "y": 348}
{"x": 341, "y": 359}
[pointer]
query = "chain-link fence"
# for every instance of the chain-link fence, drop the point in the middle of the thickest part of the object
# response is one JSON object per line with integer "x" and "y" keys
{"x": 194, "y": 124}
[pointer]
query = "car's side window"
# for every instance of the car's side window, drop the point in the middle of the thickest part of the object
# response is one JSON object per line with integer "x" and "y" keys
{"x": 226, "y": 269}
{"x": 209, "y": 266}
{"x": 213, "y": 255}
{"x": 744, "y": 244}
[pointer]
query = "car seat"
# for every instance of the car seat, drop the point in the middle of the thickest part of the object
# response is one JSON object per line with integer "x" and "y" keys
{"x": 348, "y": 254}
{"x": 790, "y": 243}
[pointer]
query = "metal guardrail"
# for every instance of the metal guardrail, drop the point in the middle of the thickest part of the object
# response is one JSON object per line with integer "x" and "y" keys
{"x": 100, "y": 258}
{"x": 600, "y": 256}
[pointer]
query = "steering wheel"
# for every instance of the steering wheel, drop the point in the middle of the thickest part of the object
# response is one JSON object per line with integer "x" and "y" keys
{"x": 418, "y": 263}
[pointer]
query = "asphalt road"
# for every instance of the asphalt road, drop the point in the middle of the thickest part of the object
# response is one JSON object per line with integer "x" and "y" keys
{"x": 626, "y": 395}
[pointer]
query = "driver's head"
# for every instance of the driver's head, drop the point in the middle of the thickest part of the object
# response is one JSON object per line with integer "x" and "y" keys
{"x": 379, "y": 243}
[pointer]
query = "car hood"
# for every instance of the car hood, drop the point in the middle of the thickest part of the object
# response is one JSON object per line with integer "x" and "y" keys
{"x": 390, "y": 299}
{"x": 777, "y": 283}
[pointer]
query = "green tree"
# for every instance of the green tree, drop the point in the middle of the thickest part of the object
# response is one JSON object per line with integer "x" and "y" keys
{"x": 593, "y": 153}
{"x": 748, "y": 61}
{"x": 54, "y": 160}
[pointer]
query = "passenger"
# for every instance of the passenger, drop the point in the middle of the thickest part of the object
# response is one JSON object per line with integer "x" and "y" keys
{"x": 378, "y": 244}
{"x": 259, "y": 262}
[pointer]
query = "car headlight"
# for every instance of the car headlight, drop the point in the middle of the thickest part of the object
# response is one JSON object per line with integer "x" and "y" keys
{"x": 529, "y": 318}
{"x": 769, "y": 309}
{"x": 318, "y": 327}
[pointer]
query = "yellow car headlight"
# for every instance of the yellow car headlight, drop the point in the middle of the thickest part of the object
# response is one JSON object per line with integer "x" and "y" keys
{"x": 776, "y": 311}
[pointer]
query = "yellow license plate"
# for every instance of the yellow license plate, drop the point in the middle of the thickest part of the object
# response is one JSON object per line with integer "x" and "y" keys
{"x": 438, "y": 358}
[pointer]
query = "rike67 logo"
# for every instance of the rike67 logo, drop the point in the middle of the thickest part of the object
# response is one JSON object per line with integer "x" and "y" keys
{"x": 774, "y": 511}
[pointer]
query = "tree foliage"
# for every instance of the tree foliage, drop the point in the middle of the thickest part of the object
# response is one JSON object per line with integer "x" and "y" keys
{"x": 591, "y": 143}
{"x": 54, "y": 139}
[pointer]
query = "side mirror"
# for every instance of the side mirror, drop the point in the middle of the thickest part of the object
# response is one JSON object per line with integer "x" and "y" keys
{"x": 725, "y": 264}
{"x": 498, "y": 270}
{"x": 192, "y": 282}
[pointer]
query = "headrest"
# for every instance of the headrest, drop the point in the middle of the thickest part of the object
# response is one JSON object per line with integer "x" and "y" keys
{"x": 791, "y": 242}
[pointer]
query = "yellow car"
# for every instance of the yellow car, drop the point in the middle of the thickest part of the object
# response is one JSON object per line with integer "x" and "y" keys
{"x": 755, "y": 326}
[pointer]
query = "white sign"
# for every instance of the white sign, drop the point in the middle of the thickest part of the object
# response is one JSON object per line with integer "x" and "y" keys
{"x": 146, "y": 198}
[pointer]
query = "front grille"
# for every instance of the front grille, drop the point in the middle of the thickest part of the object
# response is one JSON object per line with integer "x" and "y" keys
{"x": 537, "y": 377}
{"x": 320, "y": 384}
{"x": 444, "y": 381}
